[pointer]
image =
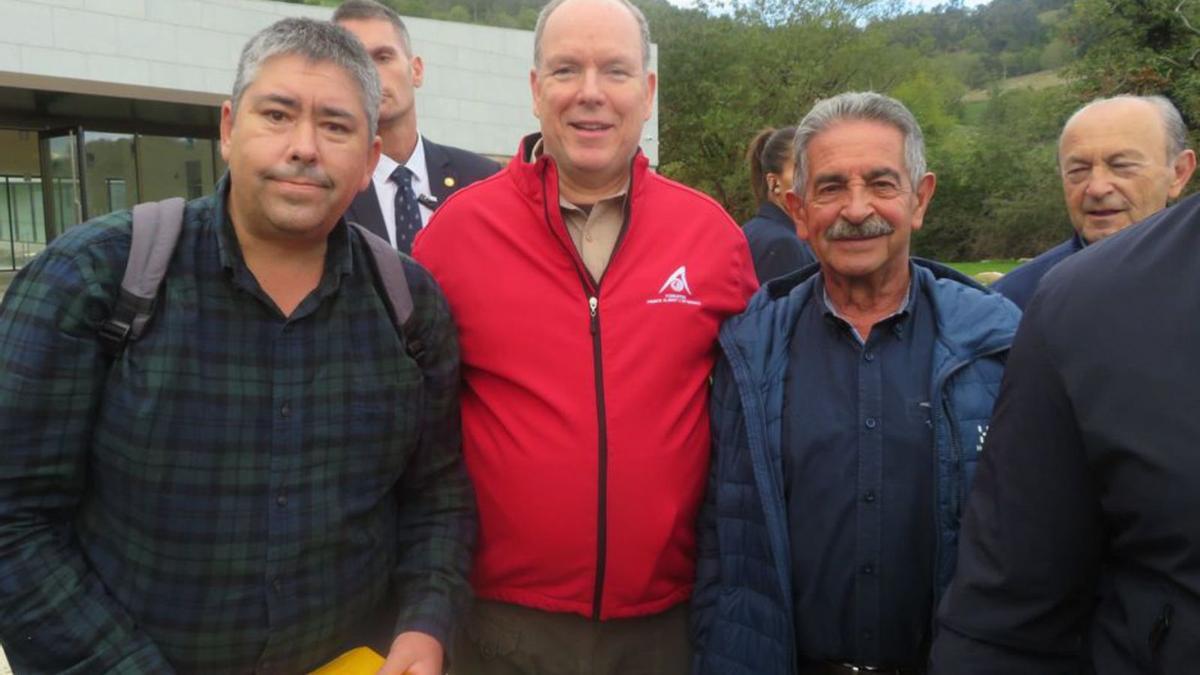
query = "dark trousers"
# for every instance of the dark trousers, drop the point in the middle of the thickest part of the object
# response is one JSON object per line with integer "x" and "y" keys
{"x": 503, "y": 639}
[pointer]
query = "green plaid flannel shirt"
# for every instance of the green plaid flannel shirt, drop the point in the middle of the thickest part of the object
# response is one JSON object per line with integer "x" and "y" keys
{"x": 238, "y": 489}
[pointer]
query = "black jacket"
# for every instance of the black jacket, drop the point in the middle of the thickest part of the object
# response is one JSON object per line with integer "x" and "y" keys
{"x": 450, "y": 169}
{"x": 774, "y": 246}
{"x": 1019, "y": 284}
{"x": 1080, "y": 547}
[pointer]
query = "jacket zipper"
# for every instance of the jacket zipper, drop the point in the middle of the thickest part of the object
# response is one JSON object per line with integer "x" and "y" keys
{"x": 1158, "y": 632}
{"x": 957, "y": 454}
{"x": 591, "y": 289}
{"x": 602, "y": 469}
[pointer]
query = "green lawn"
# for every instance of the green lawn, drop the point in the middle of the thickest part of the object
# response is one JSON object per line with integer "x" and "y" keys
{"x": 973, "y": 268}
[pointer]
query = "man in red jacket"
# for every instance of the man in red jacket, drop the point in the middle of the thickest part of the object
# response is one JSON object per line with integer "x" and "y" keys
{"x": 588, "y": 292}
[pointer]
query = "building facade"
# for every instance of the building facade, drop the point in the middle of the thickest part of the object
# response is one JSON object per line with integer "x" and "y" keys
{"x": 107, "y": 103}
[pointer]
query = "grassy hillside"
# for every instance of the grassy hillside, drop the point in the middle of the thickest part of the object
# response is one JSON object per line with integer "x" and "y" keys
{"x": 1043, "y": 79}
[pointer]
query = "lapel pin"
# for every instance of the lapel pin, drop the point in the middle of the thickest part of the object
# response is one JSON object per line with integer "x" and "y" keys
{"x": 448, "y": 181}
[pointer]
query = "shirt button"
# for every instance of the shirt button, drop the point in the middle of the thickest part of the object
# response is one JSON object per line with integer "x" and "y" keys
{"x": 870, "y": 422}
{"x": 870, "y": 496}
{"x": 868, "y": 569}
{"x": 869, "y": 356}
{"x": 281, "y": 500}
{"x": 277, "y": 585}
{"x": 285, "y": 409}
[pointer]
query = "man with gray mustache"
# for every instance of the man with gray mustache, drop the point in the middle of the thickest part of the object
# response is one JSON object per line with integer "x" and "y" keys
{"x": 844, "y": 230}
{"x": 848, "y": 410}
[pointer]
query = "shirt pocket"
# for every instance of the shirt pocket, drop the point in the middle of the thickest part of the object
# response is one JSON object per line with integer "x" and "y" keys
{"x": 919, "y": 412}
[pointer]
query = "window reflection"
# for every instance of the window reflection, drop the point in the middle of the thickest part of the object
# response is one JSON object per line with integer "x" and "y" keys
{"x": 117, "y": 170}
{"x": 175, "y": 167}
{"x": 110, "y": 172}
{"x": 22, "y": 220}
{"x": 65, "y": 207}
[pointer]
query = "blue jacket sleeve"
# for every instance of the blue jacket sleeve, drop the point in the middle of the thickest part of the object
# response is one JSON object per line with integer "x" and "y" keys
{"x": 55, "y": 614}
{"x": 1032, "y": 532}
{"x": 723, "y": 406}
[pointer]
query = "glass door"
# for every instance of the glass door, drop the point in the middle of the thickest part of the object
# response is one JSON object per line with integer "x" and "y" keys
{"x": 64, "y": 202}
{"x": 110, "y": 175}
{"x": 22, "y": 222}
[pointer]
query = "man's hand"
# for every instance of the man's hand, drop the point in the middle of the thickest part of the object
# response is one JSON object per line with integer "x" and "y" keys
{"x": 413, "y": 653}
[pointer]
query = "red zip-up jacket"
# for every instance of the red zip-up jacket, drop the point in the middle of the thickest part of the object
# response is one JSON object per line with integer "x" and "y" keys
{"x": 585, "y": 405}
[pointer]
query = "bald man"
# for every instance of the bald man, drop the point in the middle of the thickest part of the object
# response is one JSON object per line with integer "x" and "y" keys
{"x": 588, "y": 312}
{"x": 1121, "y": 160}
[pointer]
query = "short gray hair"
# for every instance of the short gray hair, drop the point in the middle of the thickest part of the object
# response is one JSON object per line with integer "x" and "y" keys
{"x": 544, "y": 16}
{"x": 369, "y": 10}
{"x": 319, "y": 42}
{"x": 1173, "y": 126}
{"x": 866, "y": 106}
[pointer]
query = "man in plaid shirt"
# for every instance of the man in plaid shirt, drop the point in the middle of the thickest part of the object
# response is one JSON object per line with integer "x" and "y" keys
{"x": 267, "y": 477}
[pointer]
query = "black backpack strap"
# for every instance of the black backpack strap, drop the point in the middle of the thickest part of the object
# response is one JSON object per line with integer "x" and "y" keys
{"x": 389, "y": 273}
{"x": 156, "y": 227}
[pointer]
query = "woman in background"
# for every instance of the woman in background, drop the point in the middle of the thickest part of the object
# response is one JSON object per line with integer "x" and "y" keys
{"x": 772, "y": 235}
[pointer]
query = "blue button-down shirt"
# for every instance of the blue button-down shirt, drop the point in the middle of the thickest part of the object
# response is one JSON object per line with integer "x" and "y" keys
{"x": 858, "y": 473}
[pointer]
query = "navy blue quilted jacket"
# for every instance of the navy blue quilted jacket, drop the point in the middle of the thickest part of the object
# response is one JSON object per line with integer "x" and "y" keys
{"x": 742, "y": 614}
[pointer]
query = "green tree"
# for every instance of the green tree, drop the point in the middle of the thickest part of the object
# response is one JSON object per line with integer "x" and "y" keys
{"x": 724, "y": 77}
{"x": 933, "y": 95}
{"x": 1143, "y": 47}
{"x": 998, "y": 191}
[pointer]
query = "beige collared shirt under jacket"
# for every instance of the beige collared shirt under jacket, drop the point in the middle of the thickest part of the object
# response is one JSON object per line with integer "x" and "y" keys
{"x": 595, "y": 228}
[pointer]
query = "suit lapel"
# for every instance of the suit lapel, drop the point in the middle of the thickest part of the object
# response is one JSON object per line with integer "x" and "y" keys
{"x": 365, "y": 210}
{"x": 437, "y": 164}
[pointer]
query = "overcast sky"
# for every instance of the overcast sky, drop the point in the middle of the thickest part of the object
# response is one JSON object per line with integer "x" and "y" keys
{"x": 920, "y": 4}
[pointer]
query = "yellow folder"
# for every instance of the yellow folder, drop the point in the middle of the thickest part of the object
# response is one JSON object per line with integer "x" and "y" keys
{"x": 358, "y": 661}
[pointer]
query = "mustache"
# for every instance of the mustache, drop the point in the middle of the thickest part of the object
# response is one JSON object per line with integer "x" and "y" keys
{"x": 1103, "y": 204}
{"x": 306, "y": 173}
{"x": 873, "y": 226}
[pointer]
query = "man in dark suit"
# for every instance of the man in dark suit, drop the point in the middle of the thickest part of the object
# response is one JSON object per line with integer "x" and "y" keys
{"x": 1080, "y": 543}
{"x": 414, "y": 174}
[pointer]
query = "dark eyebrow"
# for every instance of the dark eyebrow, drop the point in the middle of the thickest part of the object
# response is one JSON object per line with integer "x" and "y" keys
{"x": 882, "y": 173}
{"x": 823, "y": 178}
{"x": 285, "y": 101}
{"x": 293, "y": 104}
{"x": 342, "y": 114}
{"x": 333, "y": 111}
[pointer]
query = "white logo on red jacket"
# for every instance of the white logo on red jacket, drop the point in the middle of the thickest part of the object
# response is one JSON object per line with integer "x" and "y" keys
{"x": 675, "y": 290}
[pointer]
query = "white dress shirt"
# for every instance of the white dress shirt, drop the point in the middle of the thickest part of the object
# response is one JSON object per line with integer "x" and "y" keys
{"x": 386, "y": 190}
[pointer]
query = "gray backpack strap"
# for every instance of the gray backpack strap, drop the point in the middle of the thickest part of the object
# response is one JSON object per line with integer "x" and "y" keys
{"x": 389, "y": 273}
{"x": 156, "y": 227}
